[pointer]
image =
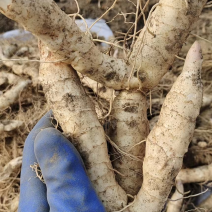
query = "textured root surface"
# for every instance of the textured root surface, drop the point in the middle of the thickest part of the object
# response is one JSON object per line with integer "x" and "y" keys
{"x": 163, "y": 43}
{"x": 175, "y": 203}
{"x": 169, "y": 139}
{"x": 68, "y": 42}
{"x": 31, "y": 105}
{"x": 129, "y": 129}
{"x": 200, "y": 174}
{"x": 157, "y": 45}
{"x": 75, "y": 112}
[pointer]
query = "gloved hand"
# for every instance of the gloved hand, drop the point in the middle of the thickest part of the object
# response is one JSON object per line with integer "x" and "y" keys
{"x": 67, "y": 187}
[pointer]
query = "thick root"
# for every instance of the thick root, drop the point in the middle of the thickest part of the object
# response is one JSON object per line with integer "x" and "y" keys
{"x": 68, "y": 42}
{"x": 129, "y": 129}
{"x": 75, "y": 112}
{"x": 162, "y": 38}
{"x": 152, "y": 56}
{"x": 196, "y": 175}
{"x": 169, "y": 139}
{"x": 175, "y": 204}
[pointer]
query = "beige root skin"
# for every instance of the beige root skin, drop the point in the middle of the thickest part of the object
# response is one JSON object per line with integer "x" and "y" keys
{"x": 75, "y": 112}
{"x": 175, "y": 204}
{"x": 4, "y": 4}
{"x": 169, "y": 139}
{"x": 199, "y": 174}
{"x": 170, "y": 25}
{"x": 129, "y": 126}
{"x": 207, "y": 100}
{"x": 11, "y": 95}
{"x": 69, "y": 42}
{"x": 99, "y": 89}
{"x": 153, "y": 59}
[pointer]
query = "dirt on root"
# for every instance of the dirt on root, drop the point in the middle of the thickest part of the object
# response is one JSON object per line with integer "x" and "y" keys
{"x": 31, "y": 104}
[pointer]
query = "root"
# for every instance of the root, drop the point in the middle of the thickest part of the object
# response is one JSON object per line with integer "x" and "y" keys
{"x": 208, "y": 41}
{"x": 207, "y": 100}
{"x": 85, "y": 57}
{"x": 154, "y": 41}
{"x": 20, "y": 66}
{"x": 170, "y": 138}
{"x": 129, "y": 126}
{"x": 9, "y": 125}
{"x": 154, "y": 53}
{"x": 11, "y": 95}
{"x": 123, "y": 152}
{"x": 175, "y": 204}
{"x": 36, "y": 168}
{"x": 159, "y": 43}
{"x": 75, "y": 112}
{"x": 99, "y": 89}
{"x": 199, "y": 174}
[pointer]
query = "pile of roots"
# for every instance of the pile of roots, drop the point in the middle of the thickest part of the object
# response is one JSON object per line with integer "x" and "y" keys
{"x": 22, "y": 101}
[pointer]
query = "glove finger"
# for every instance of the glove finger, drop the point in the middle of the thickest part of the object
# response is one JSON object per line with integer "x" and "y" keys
{"x": 68, "y": 186}
{"x": 32, "y": 190}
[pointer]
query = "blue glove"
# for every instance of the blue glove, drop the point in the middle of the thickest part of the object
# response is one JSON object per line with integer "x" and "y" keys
{"x": 67, "y": 187}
